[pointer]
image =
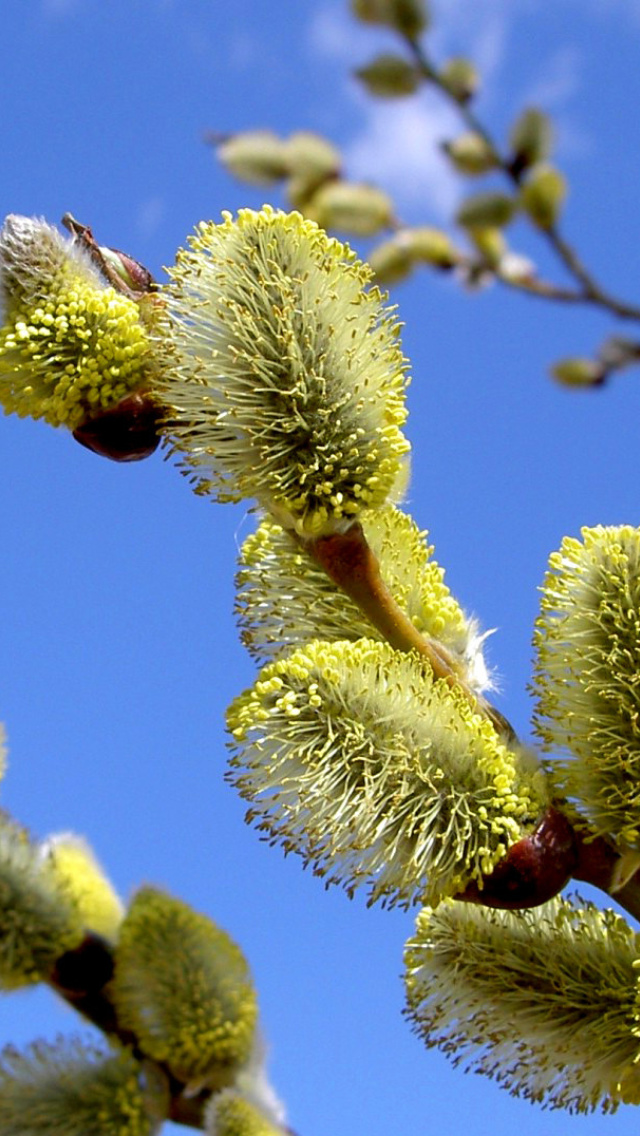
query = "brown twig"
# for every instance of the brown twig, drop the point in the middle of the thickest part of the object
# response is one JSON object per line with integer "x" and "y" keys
{"x": 590, "y": 291}
{"x": 81, "y": 977}
{"x": 350, "y": 563}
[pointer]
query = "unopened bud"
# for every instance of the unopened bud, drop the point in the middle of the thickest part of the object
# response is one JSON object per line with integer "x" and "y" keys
{"x": 351, "y": 208}
{"x": 490, "y": 243}
{"x": 119, "y": 266}
{"x": 256, "y": 156}
{"x": 578, "y": 371}
{"x": 410, "y": 17}
{"x": 391, "y": 261}
{"x": 311, "y": 157}
{"x": 530, "y": 139}
{"x": 543, "y": 194}
{"x": 471, "y": 154}
{"x": 486, "y": 210}
{"x": 389, "y": 76}
{"x": 460, "y": 78}
{"x": 430, "y": 246}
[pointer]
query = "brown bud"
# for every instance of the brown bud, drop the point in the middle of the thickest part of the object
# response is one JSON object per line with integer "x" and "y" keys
{"x": 534, "y": 869}
{"x": 120, "y": 267}
{"x": 125, "y": 432}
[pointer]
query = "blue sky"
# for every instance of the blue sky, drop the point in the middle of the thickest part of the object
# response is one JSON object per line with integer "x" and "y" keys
{"x": 118, "y": 646}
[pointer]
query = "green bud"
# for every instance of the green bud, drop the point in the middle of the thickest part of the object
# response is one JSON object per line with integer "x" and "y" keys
{"x": 460, "y": 78}
{"x": 410, "y": 17}
{"x": 300, "y": 191}
{"x": 490, "y": 243}
{"x": 183, "y": 987}
{"x": 543, "y": 194}
{"x": 577, "y": 371}
{"x": 350, "y": 207}
{"x": 430, "y": 246}
{"x": 530, "y": 139}
{"x": 255, "y": 156}
{"x": 471, "y": 154}
{"x": 391, "y": 261}
{"x": 311, "y": 157}
{"x": 389, "y": 76}
{"x": 486, "y": 210}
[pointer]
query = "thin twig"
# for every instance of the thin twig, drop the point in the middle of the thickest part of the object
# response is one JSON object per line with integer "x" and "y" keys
{"x": 590, "y": 292}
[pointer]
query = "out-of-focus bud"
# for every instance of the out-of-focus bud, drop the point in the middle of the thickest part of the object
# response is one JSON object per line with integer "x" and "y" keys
{"x": 231, "y": 1113}
{"x": 39, "y": 918}
{"x": 543, "y": 194}
{"x": 430, "y": 246}
{"x": 471, "y": 154}
{"x": 350, "y": 207}
{"x": 391, "y": 261}
{"x": 389, "y": 76}
{"x": 312, "y": 157}
{"x": 486, "y": 210}
{"x": 77, "y": 869}
{"x": 618, "y": 352}
{"x": 410, "y": 17}
{"x": 530, "y": 139}
{"x": 578, "y": 371}
{"x": 183, "y": 987}
{"x": 490, "y": 243}
{"x": 76, "y": 1088}
{"x": 300, "y": 191}
{"x": 255, "y": 156}
{"x": 460, "y": 79}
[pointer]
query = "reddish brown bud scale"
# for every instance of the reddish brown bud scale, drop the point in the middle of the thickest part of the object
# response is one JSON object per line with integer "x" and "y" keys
{"x": 125, "y": 432}
{"x": 86, "y": 969}
{"x": 534, "y": 870}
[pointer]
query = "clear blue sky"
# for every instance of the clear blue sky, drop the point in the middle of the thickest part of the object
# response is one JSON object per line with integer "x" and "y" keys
{"x": 118, "y": 646}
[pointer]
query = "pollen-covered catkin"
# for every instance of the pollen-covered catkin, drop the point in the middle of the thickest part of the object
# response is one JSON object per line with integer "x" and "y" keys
{"x": 288, "y": 379}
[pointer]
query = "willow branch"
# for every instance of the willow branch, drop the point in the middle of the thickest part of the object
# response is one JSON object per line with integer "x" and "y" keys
{"x": 590, "y": 291}
{"x": 81, "y": 977}
{"x": 349, "y": 561}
